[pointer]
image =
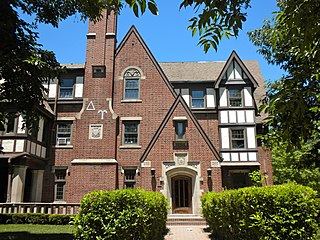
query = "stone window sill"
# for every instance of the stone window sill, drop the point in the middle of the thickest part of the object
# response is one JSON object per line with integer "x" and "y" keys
{"x": 131, "y": 100}
{"x": 63, "y": 146}
{"x": 130, "y": 146}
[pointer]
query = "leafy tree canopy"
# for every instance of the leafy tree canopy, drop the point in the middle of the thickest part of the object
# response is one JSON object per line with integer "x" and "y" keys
{"x": 292, "y": 41}
{"x": 25, "y": 65}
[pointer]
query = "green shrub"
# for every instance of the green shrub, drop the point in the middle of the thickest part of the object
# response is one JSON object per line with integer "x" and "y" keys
{"x": 122, "y": 214}
{"x": 35, "y": 218}
{"x": 274, "y": 212}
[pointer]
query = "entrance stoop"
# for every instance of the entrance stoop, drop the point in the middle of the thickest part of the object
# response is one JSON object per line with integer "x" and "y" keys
{"x": 185, "y": 220}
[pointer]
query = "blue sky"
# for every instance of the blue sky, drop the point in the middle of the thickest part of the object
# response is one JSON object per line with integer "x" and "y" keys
{"x": 166, "y": 35}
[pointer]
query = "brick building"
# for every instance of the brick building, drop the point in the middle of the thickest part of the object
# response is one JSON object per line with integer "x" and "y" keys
{"x": 124, "y": 120}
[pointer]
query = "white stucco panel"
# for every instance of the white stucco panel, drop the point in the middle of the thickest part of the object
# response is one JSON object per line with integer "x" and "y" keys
{"x": 224, "y": 137}
{"x": 20, "y": 145}
{"x": 224, "y": 117}
{"x": 247, "y": 97}
{"x": 40, "y": 131}
{"x": 250, "y": 116}
{"x": 232, "y": 116}
{"x": 251, "y": 137}
{"x": 252, "y": 156}
{"x": 241, "y": 117}
{"x": 244, "y": 156}
{"x": 210, "y": 98}
{"x": 186, "y": 99}
{"x": 20, "y": 125}
{"x": 52, "y": 90}
{"x": 226, "y": 156}
{"x": 223, "y": 102}
{"x": 234, "y": 157}
{"x": 7, "y": 145}
{"x": 237, "y": 71}
{"x": 78, "y": 92}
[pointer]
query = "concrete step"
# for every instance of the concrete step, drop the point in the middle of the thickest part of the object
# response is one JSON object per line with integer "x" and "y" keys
{"x": 186, "y": 220}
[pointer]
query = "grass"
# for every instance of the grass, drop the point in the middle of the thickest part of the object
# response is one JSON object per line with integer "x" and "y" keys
{"x": 35, "y": 232}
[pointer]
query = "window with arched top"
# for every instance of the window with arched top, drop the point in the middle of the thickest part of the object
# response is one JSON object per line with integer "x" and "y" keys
{"x": 132, "y": 78}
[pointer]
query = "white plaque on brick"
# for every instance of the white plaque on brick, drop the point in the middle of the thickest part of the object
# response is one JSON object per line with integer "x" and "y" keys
{"x": 95, "y": 131}
{"x": 215, "y": 164}
{"x": 146, "y": 164}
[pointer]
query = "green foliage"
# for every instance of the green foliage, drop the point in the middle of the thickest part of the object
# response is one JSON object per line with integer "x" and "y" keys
{"x": 257, "y": 178}
{"x": 274, "y": 212}
{"x": 300, "y": 165}
{"x": 217, "y": 19}
{"x": 291, "y": 40}
{"x": 35, "y": 218}
{"x": 121, "y": 214}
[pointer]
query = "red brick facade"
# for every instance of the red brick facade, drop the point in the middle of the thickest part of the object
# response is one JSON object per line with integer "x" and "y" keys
{"x": 119, "y": 141}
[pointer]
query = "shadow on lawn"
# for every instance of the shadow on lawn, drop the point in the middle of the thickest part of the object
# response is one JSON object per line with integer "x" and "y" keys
{"x": 29, "y": 236}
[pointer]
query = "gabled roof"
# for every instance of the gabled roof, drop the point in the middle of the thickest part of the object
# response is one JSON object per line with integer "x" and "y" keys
{"x": 234, "y": 56}
{"x": 153, "y": 141}
{"x": 133, "y": 30}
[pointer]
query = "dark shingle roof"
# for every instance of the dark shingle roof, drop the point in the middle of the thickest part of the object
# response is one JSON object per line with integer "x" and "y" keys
{"x": 209, "y": 71}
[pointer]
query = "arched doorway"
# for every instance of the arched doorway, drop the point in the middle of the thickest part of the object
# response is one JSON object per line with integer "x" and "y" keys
{"x": 181, "y": 194}
{"x": 181, "y": 186}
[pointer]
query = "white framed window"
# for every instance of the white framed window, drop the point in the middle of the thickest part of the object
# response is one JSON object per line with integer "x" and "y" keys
{"x": 66, "y": 88}
{"x": 132, "y": 84}
{"x": 130, "y": 177}
{"x": 197, "y": 98}
{"x": 131, "y": 132}
{"x": 64, "y": 130}
{"x": 235, "y": 97}
{"x": 237, "y": 138}
{"x": 60, "y": 181}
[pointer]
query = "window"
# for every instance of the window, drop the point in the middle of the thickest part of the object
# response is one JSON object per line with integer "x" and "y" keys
{"x": 132, "y": 89}
{"x": 66, "y": 88}
{"x": 60, "y": 181}
{"x": 64, "y": 133}
{"x": 235, "y": 97}
{"x": 131, "y": 132}
{"x": 180, "y": 130}
{"x": 130, "y": 178}
{"x": 237, "y": 138}
{"x": 197, "y": 99}
{"x": 132, "y": 84}
{"x": 98, "y": 71}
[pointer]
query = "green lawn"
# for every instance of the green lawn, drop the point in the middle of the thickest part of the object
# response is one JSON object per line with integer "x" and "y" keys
{"x": 35, "y": 232}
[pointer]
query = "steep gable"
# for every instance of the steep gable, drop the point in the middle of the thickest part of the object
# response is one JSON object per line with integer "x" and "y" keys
{"x": 190, "y": 116}
{"x": 235, "y": 71}
{"x": 134, "y": 31}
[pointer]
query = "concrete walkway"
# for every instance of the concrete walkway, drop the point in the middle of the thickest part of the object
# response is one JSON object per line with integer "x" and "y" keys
{"x": 187, "y": 233}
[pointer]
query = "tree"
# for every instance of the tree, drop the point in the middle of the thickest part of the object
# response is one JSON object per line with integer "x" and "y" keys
{"x": 25, "y": 66}
{"x": 292, "y": 41}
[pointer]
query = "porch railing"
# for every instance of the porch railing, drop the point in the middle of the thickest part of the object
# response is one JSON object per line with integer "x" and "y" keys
{"x": 48, "y": 208}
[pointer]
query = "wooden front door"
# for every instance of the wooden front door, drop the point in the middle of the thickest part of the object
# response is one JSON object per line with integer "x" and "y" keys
{"x": 181, "y": 195}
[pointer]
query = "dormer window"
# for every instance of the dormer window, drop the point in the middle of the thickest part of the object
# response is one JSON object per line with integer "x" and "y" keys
{"x": 235, "y": 97}
{"x": 197, "y": 98}
{"x": 66, "y": 88}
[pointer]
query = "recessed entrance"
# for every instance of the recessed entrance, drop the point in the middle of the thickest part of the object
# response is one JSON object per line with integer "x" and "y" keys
{"x": 181, "y": 194}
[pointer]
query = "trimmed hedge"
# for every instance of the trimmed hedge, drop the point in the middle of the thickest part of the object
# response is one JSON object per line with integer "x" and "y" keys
{"x": 122, "y": 214}
{"x": 36, "y": 218}
{"x": 287, "y": 211}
